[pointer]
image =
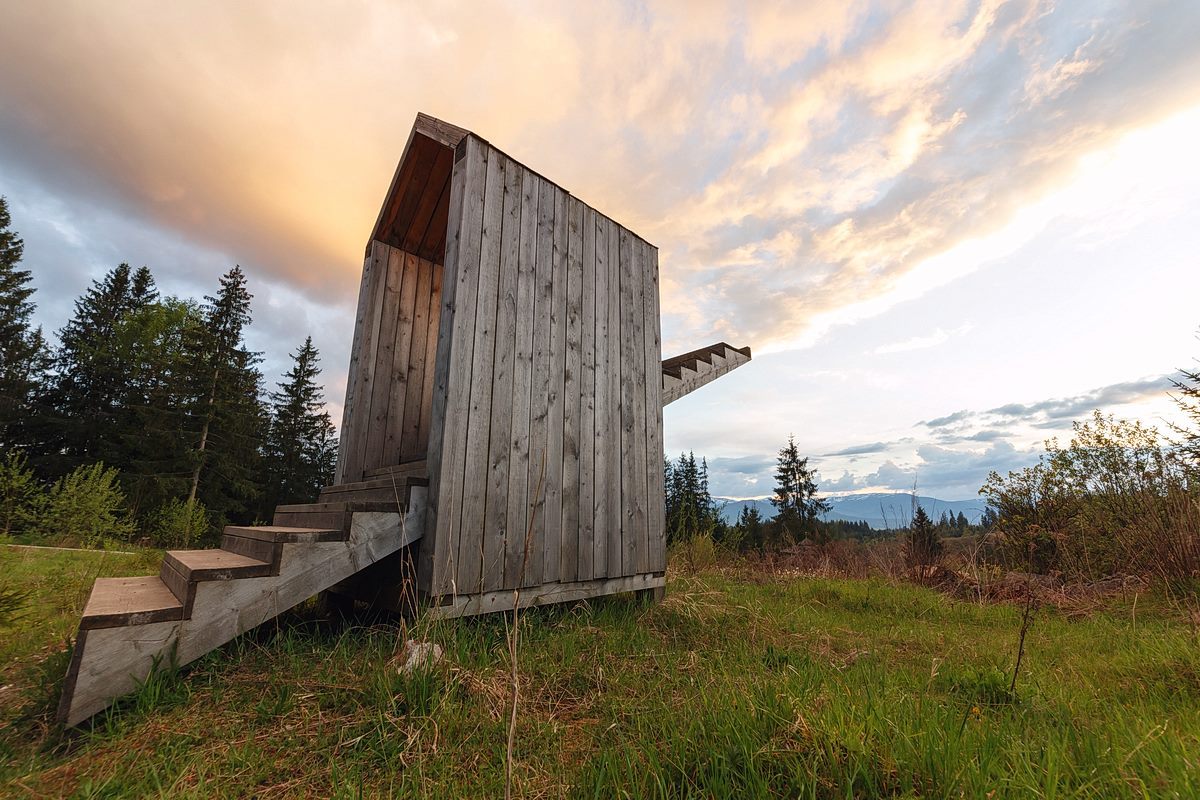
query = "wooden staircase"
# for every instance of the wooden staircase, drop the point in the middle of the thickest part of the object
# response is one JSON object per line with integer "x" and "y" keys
{"x": 202, "y": 599}
{"x": 686, "y": 373}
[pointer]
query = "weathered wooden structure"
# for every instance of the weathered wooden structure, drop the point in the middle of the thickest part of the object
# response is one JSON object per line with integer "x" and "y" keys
{"x": 502, "y": 438}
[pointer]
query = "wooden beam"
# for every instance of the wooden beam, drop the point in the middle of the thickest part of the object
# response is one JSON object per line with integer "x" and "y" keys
{"x": 547, "y": 594}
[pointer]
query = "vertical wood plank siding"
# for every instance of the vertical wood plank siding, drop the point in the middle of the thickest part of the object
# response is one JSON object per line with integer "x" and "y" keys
{"x": 389, "y": 389}
{"x": 520, "y": 459}
{"x": 525, "y": 370}
{"x": 656, "y": 489}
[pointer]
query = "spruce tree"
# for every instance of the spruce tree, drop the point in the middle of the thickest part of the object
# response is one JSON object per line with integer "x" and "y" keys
{"x": 24, "y": 357}
{"x": 156, "y": 440}
{"x": 923, "y": 546}
{"x": 93, "y": 368}
{"x": 301, "y": 449}
{"x": 796, "y": 501}
{"x": 750, "y": 523}
{"x": 227, "y": 415}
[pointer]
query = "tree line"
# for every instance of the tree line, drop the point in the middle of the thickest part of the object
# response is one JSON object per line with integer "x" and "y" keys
{"x": 691, "y": 510}
{"x": 149, "y": 416}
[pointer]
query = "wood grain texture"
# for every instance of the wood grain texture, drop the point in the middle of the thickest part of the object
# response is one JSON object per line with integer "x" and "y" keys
{"x": 640, "y": 448}
{"x": 572, "y": 394}
{"x": 584, "y": 554}
{"x": 520, "y": 491}
{"x": 603, "y": 486}
{"x": 554, "y": 419}
{"x": 539, "y": 402}
{"x": 495, "y": 522}
{"x": 421, "y": 449}
{"x": 357, "y": 434}
{"x": 656, "y": 490}
{"x": 436, "y": 559}
{"x": 458, "y": 406}
{"x": 616, "y": 446}
{"x": 478, "y": 384}
{"x": 349, "y": 422}
{"x": 682, "y": 375}
{"x": 546, "y": 594}
{"x": 631, "y": 476}
{"x": 415, "y": 398}
{"x": 397, "y": 403}
{"x": 108, "y": 662}
{"x": 389, "y": 322}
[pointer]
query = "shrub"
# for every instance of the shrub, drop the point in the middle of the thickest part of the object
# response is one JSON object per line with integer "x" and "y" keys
{"x": 21, "y": 497}
{"x": 86, "y": 506}
{"x": 179, "y": 524}
{"x": 1115, "y": 500}
{"x": 1090, "y": 509}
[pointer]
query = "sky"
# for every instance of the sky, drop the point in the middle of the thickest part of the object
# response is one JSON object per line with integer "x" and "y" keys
{"x": 946, "y": 229}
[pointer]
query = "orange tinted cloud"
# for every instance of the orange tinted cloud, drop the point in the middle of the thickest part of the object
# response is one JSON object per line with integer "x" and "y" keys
{"x": 789, "y": 160}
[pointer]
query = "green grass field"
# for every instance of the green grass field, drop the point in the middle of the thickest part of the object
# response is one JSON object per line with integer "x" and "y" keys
{"x": 740, "y": 684}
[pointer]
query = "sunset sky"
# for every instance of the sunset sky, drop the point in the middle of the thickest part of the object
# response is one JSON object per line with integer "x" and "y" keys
{"x": 947, "y": 229}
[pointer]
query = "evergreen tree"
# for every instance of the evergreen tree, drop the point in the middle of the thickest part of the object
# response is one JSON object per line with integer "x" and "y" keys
{"x": 301, "y": 449}
{"x": 226, "y": 411}
{"x": 923, "y": 546}
{"x": 989, "y": 518}
{"x": 796, "y": 501}
{"x": 156, "y": 440}
{"x": 93, "y": 368}
{"x": 690, "y": 507}
{"x": 750, "y": 524}
{"x": 24, "y": 357}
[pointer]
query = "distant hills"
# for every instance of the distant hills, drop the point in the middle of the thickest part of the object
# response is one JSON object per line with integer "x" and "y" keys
{"x": 880, "y": 510}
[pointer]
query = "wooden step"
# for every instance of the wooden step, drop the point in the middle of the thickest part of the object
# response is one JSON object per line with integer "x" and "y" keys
{"x": 116, "y": 602}
{"x": 389, "y": 488}
{"x": 413, "y": 469}
{"x": 265, "y": 542}
{"x": 214, "y": 565}
{"x": 282, "y": 534}
{"x": 335, "y": 515}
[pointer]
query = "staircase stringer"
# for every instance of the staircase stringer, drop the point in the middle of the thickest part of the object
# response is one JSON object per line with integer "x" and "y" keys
{"x": 111, "y": 661}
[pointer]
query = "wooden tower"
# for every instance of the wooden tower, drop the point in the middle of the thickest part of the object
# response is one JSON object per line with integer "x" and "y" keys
{"x": 502, "y": 438}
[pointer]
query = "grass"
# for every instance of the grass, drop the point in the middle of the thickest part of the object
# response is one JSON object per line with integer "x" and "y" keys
{"x": 740, "y": 684}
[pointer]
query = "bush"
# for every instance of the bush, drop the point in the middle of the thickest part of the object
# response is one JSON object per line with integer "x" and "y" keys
{"x": 21, "y": 497}
{"x": 179, "y": 524}
{"x": 1115, "y": 500}
{"x": 87, "y": 507}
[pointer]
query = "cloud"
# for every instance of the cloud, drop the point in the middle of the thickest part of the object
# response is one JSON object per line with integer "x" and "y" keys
{"x": 949, "y": 419}
{"x": 943, "y": 472}
{"x": 861, "y": 449}
{"x": 797, "y": 164}
{"x": 1052, "y": 413}
{"x": 1070, "y": 408}
{"x": 921, "y": 342}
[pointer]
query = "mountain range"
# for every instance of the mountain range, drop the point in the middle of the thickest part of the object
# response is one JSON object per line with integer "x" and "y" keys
{"x": 880, "y": 510}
